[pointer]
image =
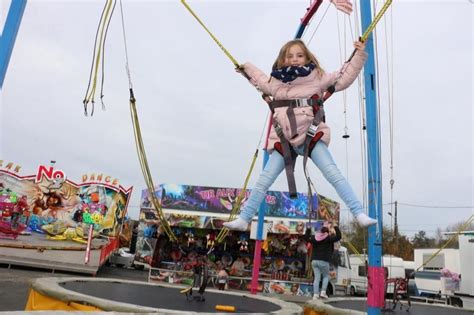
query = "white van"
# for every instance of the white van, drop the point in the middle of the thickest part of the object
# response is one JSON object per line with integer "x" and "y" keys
{"x": 428, "y": 278}
{"x": 393, "y": 265}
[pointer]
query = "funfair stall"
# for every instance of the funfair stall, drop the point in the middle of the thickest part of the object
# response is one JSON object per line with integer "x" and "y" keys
{"x": 196, "y": 214}
{"x": 49, "y": 221}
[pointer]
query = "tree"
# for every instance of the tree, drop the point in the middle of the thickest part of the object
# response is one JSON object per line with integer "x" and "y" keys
{"x": 421, "y": 240}
{"x": 439, "y": 237}
{"x": 397, "y": 245}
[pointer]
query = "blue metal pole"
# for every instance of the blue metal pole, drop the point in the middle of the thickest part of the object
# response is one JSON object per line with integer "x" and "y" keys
{"x": 10, "y": 30}
{"x": 375, "y": 297}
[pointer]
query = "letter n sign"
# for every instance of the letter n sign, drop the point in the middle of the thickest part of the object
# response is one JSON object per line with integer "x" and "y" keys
{"x": 49, "y": 173}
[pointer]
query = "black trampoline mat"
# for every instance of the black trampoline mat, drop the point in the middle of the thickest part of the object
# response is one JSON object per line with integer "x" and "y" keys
{"x": 416, "y": 309}
{"x": 167, "y": 298}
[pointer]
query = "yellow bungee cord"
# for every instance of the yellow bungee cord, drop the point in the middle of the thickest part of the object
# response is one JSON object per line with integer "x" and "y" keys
{"x": 98, "y": 57}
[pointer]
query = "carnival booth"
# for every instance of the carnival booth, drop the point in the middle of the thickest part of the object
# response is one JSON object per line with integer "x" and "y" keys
{"x": 48, "y": 221}
{"x": 196, "y": 215}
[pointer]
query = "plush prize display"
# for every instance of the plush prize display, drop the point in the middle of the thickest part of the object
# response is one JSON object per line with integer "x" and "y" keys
{"x": 243, "y": 244}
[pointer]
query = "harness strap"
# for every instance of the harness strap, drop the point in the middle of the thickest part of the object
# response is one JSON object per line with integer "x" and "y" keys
{"x": 284, "y": 147}
{"x": 312, "y": 134}
{"x": 309, "y": 144}
{"x": 300, "y": 102}
{"x": 290, "y": 104}
{"x": 292, "y": 119}
{"x": 289, "y": 156}
{"x": 312, "y": 137}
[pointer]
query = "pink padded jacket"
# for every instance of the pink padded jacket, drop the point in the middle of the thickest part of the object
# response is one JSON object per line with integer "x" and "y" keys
{"x": 303, "y": 87}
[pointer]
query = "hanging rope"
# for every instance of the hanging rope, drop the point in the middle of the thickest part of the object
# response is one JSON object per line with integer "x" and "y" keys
{"x": 98, "y": 57}
{"x": 236, "y": 64}
{"x": 140, "y": 146}
{"x": 317, "y": 26}
{"x": 461, "y": 228}
{"x": 372, "y": 25}
{"x": 235, "y": 209}
{"x": 390, "y": 107}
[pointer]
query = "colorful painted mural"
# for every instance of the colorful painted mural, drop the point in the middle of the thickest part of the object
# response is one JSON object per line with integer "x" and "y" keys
{"x": 49, "y": 203}
{"x": 220, "y": 200}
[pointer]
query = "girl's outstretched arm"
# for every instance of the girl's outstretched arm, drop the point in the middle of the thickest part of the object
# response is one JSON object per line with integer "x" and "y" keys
{"x": 259, "y": 79}
{"x": 349, "y": 71}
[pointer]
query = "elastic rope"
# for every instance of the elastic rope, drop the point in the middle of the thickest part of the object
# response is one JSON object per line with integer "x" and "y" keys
{"x": 210, "y": 34}
{"x": 141, "y": 148}
{"x": 366, "y": 35}
{"x": 223, "y": 232}
{"x": 86, "y": 98}
{"x": 461, "y": 228}
{"x": 238, "y": 202}
{"x": 146, "y": 171}
{"x": 98, "y": 54}
{"x": 103, "y": 56}
{"x": 375, "y": 20}
{"x": 127, "y": 68}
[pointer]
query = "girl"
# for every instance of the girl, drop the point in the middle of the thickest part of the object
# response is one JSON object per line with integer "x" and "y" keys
{"x": 323, "y": 248}
{"x": 297, "y": 75}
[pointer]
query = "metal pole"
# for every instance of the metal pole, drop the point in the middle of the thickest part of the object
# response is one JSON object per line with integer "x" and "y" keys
{"x": 376, "y": 274}
{"x": 8, "y": 37}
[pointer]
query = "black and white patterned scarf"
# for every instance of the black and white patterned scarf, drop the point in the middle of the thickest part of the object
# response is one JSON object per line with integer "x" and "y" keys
{"x": 288, "y": 74}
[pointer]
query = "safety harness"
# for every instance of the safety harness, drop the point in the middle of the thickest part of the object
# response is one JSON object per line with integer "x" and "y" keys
{"x": 312, "y": 134}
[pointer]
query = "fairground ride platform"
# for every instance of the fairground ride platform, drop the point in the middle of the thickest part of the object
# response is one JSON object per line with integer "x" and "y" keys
{"x": 37, "y": 251}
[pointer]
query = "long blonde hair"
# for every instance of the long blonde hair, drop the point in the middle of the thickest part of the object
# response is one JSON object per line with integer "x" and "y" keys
{"x": 280, "y": 61}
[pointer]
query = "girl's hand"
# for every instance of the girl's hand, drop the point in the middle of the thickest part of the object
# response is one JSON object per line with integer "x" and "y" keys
{"x": 359, "y": 45}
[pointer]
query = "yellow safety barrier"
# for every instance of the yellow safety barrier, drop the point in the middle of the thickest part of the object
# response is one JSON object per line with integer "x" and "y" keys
{"x": 39, "y": 302}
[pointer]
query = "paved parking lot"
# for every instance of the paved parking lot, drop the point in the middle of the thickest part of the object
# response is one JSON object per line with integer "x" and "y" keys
{"x": 14, "y": 282}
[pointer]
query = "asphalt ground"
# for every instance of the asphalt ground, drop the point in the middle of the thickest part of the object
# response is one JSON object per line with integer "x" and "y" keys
{"x": 15, "y": 282}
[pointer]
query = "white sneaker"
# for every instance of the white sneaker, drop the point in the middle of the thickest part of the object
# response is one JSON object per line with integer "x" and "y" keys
{"x": 237, "y": 225}
{"x": 315, "y": 297}
{"x": 323, "y": 295}
{"x": 365, "y": 220}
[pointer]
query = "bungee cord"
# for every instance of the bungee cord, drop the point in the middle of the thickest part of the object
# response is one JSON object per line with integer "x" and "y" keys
{"x": 140, "y": 146}
{"x": 226, "y": 52}
{"x": 456, "y": 234}
{"x": 236, "y": 207}
{"x": 224, "y": 231}
{"x": 98, "y": 57}
{"x": 103, "y": 58}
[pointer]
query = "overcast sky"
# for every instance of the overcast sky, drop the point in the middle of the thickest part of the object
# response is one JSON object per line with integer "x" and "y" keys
{"x": 201, "y": 121}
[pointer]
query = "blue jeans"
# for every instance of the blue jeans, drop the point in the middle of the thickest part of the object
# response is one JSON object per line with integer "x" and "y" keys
{"x": 322, "y": 159}
{"x": 320, "y": 267}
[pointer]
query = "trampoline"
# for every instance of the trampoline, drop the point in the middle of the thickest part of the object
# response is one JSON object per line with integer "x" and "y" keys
{"x": 356, "y": 306}
{"x": 132, "y": 296}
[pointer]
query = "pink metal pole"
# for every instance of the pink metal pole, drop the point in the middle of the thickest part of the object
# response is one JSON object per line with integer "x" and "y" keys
{"x": 89, "y": 242}
{"x": 256, "y": 267}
